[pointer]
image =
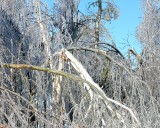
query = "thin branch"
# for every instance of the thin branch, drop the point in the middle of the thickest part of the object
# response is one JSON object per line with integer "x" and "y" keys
{"x": 102, "y": 53}
{"x": 116, "y": 50}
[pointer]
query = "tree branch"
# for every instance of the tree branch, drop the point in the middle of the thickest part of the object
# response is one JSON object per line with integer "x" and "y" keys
{"x": 102, "y": 53}
{"x": 75, "y": 78}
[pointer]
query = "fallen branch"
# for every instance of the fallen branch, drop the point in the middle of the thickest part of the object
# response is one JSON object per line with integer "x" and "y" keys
{"x": 75, "y": 78}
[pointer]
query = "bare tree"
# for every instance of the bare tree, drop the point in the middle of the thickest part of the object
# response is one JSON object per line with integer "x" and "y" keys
{"x": 148, "y": 34}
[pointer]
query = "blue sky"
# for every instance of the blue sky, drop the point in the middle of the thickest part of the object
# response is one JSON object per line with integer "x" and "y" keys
{"x": 124, "y": 28}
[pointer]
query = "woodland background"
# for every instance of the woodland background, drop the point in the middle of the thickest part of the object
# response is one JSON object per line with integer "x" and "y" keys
{"x": 60, "y": 68}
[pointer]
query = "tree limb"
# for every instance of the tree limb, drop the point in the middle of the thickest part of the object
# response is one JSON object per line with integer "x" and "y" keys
{"x": 75, "y": 78}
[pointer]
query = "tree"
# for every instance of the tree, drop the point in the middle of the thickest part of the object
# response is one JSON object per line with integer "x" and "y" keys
{"x": 148, "y": 35}
{"x": 149, "y": 28}
{"x": 57, "y": 71}
{"x": 106, "y": 12}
